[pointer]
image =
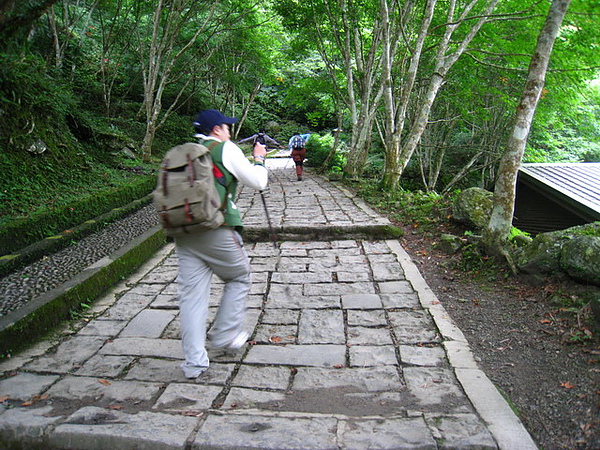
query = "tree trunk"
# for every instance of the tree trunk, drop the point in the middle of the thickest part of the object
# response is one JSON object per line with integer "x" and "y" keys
{"x": 395, "y": 116}
{"x": 498, "y": 229}
{"x": 447, "y": 53}
{"x": 353, "y": 54}
{"x": 336, "y": 141}
{"x": 11, "y": 23}
{"x": 163, "y": 54}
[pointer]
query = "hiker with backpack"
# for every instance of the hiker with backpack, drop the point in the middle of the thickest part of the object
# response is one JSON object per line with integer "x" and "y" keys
{"x": 260, "y": 137}
{"x": 218, "y": 250}
{"x": 297, "y": 147}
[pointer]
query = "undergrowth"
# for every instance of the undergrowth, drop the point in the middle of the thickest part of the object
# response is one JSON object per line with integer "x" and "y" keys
{"x": 430, "y": 215}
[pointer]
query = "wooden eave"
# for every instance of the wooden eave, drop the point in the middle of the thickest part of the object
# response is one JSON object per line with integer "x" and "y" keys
{"x": 575, "y": 186}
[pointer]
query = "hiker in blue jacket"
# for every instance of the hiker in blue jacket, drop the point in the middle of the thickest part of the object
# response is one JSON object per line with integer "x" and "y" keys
{"x": 297, "y": 147}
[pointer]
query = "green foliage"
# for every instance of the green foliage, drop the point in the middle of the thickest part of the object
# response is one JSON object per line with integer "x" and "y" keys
{"x": 374, "y": 166}
{"x": 425, "y": 210}
{"x": 319, "y": 147}
{"x": 515, "y": 233}
{"x": 176, "y": 130}
{"x": 47, "y": 221}
{"x": 571, "y": 136}
{"x": 32, "y": 101}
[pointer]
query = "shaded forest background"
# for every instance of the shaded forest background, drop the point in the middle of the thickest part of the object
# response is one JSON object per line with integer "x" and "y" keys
{"x": 93, "y": 92}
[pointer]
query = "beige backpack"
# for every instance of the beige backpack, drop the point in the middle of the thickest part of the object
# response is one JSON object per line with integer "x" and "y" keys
{"x": 186, "y": 197}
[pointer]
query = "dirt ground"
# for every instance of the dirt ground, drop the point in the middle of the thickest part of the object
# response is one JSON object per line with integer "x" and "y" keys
{"x": 543, "y": 357}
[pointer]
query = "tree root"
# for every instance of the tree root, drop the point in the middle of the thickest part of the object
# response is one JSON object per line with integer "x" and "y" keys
{"x": 509, "y": 260}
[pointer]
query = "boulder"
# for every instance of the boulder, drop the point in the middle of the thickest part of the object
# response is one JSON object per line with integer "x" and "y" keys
{"x": 128, "y": 153}
{"x": 38, "y": 147}
{"x": 574, "y": 251}
{"x": 449, "y": 243}
{"x": 273, "y": 126}
{"x": 543, "y": 254}
{"x": 580, "y": 258}
{"x": 473, "y": 207}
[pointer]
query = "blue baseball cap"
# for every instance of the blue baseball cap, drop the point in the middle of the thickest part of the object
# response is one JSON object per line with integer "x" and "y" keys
{"x": 209, "y": 118}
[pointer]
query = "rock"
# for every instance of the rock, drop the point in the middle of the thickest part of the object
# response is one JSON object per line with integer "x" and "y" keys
{"x": 522, "y": 240}
{"x": 595, "y": 305}
{"x": 574, "y": 251}
{"x": 38, "y": 147}
{"x": 273, "y": 126}
{"x": 580, "y": 258}
{"x": 449, "y": 243}
{"x": 128, "y": 153}
{"x": 543, "y": 254}
{"x": 473, "y": 207}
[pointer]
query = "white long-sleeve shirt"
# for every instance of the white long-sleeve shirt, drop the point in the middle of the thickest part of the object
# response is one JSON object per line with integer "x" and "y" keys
{"x": 255, "y": 176}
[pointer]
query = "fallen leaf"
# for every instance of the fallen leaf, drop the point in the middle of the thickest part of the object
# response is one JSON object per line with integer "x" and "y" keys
{"x": 274, "y": 339}
{"x": 338, "y": 366}
{"x": 35, "y": 398}
{"x": 191, "y": 413}
{"x": 104, "y": 382}
{"x": 115, "y": 407}
{"x": 567, "y": 385}
{"x": 545, "y": 321}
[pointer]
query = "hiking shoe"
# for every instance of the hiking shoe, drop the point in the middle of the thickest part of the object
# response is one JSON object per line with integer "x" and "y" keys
{"x": 236, "y": 343}
{"x": 193, "y": 374}
{"x": 239, "y": 340}
{"x": 299, "y": 177}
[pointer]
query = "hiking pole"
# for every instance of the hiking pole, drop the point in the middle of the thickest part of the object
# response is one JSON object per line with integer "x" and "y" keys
{"x": 272, "y": 234}
{"x": 286, "y": 164}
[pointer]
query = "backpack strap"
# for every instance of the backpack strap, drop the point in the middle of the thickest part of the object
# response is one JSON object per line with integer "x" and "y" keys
{"x": 212, "y": 144}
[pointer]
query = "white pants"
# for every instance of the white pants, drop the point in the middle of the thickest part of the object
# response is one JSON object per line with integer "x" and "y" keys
{"x": 200, "y": 255}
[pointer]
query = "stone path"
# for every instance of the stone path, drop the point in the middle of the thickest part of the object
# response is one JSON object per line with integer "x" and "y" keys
{"x": 350, "y": 349}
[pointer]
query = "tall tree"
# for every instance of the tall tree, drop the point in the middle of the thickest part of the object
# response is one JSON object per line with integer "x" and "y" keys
{"x": 347, "y": 35}
{"x": 459, "y": 29}
{"x": 498, "y": 228}
{"x": 183, "y": 36}
{"x": 161, "y": 49}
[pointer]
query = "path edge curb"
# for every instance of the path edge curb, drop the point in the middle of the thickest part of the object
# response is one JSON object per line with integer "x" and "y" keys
{"x": 46, "y": 311}
{"x": 505, "y": 426}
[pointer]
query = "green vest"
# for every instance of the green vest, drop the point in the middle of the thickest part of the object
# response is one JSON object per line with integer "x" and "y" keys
{"x": 226, "y": 186}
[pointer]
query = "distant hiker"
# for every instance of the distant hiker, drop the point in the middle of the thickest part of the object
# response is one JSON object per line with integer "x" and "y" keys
{"x": 297, "y": 146}
{"x": 219, "y": 251}
{"x": 262, "y": 138}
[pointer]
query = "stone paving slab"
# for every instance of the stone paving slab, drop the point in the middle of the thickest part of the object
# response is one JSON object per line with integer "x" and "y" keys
{"x": 349, "y": 349}
{"x": 267, "y": 432}
{"x": 97, "y": 428}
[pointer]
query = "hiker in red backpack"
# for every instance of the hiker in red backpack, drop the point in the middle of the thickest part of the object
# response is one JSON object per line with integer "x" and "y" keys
{"x": 219, "y": 251}
{"x": 297, "y": 146}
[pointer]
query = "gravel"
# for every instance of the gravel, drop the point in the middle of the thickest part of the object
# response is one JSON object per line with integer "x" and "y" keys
{"x": 18, "y": 288}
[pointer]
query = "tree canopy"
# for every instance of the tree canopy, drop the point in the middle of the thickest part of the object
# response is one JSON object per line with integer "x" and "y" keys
{"x": 421, "y": 94}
